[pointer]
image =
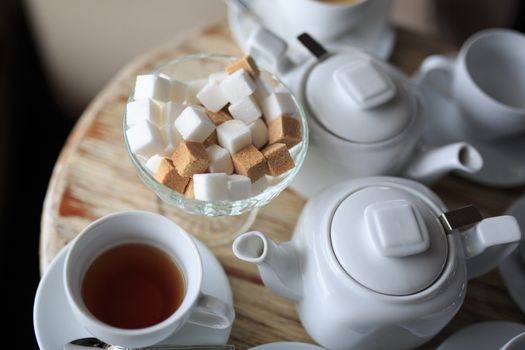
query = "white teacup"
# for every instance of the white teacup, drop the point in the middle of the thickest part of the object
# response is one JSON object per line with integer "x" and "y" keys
{"x": 324, "y": 19}
{"x": 516, "y": 343}
{"x": 488, "y": 82}
{"x": 157, "y": 231}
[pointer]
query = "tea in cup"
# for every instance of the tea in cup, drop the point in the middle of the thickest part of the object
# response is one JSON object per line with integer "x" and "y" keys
{"x": 150, "y": 286}
{"x": 134, "y": 278}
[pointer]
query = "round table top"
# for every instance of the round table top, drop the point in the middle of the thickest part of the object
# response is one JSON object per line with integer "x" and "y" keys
{"x": 94, "y": 176}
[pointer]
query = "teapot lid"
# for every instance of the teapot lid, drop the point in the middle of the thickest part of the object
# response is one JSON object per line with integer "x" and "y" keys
{"x": 358, "y": 98}
{"x": 389, "y": 240}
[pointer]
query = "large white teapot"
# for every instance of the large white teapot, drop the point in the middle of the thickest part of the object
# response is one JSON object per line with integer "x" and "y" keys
{"x": 378, "y": 263}
{"x": 365, "y": 117}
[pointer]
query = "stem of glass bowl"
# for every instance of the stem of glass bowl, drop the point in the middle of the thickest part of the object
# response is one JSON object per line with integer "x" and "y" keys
{"x": 212, "y": 230}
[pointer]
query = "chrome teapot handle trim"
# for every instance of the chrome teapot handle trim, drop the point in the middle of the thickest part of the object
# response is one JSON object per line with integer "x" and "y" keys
{"x": 313, "y": 46}
{"x": 486, "y": 243}
{"x": 461, "y": 217}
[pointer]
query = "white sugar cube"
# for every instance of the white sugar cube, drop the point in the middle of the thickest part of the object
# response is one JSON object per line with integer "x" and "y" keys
{"x": 178, "y": 90}
{"x": 145, "y": 139}
{"x": 211, "y": 96}
{"x": 234, "y": 135}
{"x": 276, "y": 105}
{"x": 237, "y": 86}
{"x": 210, "y": 187}
{"x": 194, "y": 125}
{"x": 220, "y": 160}
{"x": 259, "y": 132}
{"x": 193, "y": 87}
{"x": 263, "y": 89}
{"x": 172, "y": 111}
{"x": 239, "y": 187}
{"x": 146, "y": 109}
{"x": 259, "y": 186}
{"x": 153, "y": 162}
{"x": 169, "y": 149}
{"x": 152, "y": 86}
{"x": 218, "y": 76}
{"x": 245, "y": 109}
{"x": 171, "y": 137}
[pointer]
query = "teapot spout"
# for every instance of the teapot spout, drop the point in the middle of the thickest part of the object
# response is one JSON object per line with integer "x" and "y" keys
{"x": 427, "y": 167}
{"x": 277, "y": 263}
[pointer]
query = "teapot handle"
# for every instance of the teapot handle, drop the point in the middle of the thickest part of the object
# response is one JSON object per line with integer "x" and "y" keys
{"x": 440, "y": 64}
{"x": 488, "y": 242}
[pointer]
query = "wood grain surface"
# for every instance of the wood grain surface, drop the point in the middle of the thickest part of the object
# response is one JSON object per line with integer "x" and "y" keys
{"x": 93, "y": 176}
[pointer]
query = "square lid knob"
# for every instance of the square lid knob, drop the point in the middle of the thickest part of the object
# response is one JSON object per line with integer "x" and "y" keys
{"x": 365, "y": 84}
{"x": 397, "y": 228}
{"x": 389, "y": 240}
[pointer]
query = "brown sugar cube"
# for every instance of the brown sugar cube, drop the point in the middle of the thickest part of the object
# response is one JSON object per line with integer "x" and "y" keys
{"x": 211, "y": 140}
{"x": 247, "y": 63}
{"x": 190, "y": 158}
{"x": 168, "y": 176}
{"x": 250, "y": 162}
{"x": 278, "y": 158}
{"x": 189, "y": 190}
{"x": 219, "y": 117}
{"x": 285, "y": 130}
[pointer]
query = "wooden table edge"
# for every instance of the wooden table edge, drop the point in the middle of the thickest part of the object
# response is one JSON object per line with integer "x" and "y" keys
{"x": 55, "y": 187}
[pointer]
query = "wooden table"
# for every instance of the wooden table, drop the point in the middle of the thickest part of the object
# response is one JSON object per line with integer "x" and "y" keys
{"x": 94, "y": 176}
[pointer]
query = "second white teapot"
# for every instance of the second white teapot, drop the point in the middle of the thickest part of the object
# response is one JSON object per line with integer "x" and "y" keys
{"x": 364, "y": 116}
{"x": 377, "y": 263}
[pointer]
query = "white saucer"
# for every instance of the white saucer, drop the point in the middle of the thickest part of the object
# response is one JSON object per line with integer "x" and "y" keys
{"x": 287, "y": 346}
{"x": 56, "y": 325}
{"x": 373, "y": 34}
{"x": 504, "y": 162}
{"x": 483, "y": 336}
{"x": 512, "y": 269}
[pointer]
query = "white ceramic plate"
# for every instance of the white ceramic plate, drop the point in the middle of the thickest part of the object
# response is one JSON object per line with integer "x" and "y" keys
{"x": 287, "y": 346}
{"x": 373, "y": 34}
{"x": 504, "y": 162}
{"x": 483, "y": 336}
{"x": 512, "y": 269}
{"x": 56, "y": 325}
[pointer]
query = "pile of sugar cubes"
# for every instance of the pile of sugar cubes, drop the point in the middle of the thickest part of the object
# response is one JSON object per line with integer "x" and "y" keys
{"x": 220, "y": 138}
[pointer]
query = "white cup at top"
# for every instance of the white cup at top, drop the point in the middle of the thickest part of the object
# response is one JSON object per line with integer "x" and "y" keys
{"x": 516, "y": 343}
{"x": 324, "y": 19}
{"x": 158, "y": 231}
{"x": 488, "y": 82}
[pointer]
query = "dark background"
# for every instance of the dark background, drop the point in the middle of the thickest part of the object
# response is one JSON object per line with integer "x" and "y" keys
{"x": 32, "y": 132}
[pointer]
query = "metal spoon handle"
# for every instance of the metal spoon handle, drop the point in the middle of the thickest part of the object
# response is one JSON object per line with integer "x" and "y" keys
{"x": 94, "y": 343}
